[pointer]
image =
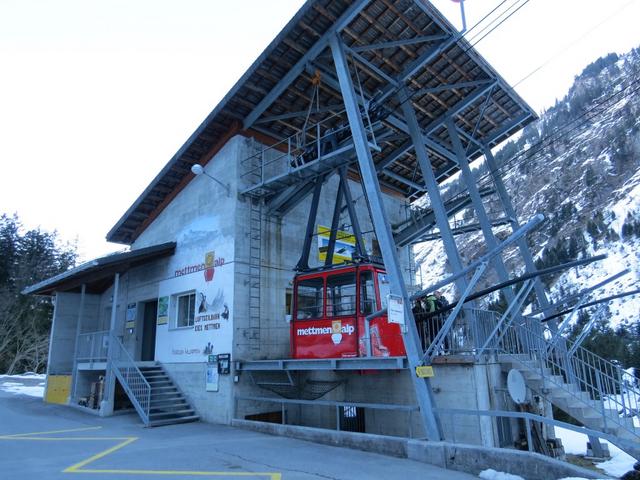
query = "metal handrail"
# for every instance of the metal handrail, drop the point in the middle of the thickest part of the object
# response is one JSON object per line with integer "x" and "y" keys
{"x": 290, "y": 149}
{"x": 131, "y": 378}
{"x": 92, "y": 347}
{"x": 532, "y": 417}
{"x": 528, "y": 418}
{"x": 594, "y": 382}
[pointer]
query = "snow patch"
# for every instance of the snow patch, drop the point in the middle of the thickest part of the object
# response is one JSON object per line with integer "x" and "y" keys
{"x": 12, "y": 384}
{"x": 491, "y": 474}
{"x": 575, "y": 443}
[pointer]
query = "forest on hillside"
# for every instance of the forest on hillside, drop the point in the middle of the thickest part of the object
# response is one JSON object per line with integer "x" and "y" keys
{"x": 27, "y": 257}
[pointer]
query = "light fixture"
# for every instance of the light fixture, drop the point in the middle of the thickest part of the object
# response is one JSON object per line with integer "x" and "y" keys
{"x": 198, "y": 169}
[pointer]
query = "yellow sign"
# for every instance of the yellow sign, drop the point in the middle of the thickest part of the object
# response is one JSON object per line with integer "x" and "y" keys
{"x": 343, "y": 250}
{"x": 424, "y": 372}
{"x": 336, "y": 326}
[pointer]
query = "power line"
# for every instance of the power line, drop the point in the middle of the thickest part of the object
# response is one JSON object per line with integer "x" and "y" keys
{"x": 523, "y": 156}
{"x": 570, "y": 44}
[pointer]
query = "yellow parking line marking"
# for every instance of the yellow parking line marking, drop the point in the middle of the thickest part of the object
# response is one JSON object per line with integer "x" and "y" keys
{"x": 84, "y": 429}
{"x": 65, "y": 439}
{"x": 78, "y": 466}
{"x": 124, "y": 441}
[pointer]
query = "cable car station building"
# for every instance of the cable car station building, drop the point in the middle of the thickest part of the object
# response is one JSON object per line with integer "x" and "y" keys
{"x": 277, "y": 285}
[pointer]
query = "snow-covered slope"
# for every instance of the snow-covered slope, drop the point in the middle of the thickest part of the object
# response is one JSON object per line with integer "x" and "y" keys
{"x": 579, "y": 165}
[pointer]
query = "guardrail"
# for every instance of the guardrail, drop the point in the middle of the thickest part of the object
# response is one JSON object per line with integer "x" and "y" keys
{"x": 573, "y": 369}
{"x": 93, "y": 347}
{"x": 529, "y": 419}
{"x": 408, "y": 409}
{"x": 131, "y": 378}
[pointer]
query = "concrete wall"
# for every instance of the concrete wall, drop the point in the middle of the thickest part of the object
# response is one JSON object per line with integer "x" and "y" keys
{"x": 212, "y": 407}
{"x": 472, "y": 459}
{"x": 63, "y": 334}
{"x": 282, "y": 242}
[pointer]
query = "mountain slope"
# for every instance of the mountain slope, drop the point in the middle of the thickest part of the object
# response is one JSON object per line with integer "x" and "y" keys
{"x": 579, "y": 165}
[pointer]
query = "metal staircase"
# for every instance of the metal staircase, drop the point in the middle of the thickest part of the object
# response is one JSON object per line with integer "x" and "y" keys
{"x": 167, "y": 404}
{"x": 153, "y": 394}
{"x": 589, "y": 388}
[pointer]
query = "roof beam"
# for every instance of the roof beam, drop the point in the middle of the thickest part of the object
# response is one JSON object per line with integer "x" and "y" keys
{"x": 458, "y": 107}
{"x": 371, "y": 66}
{"x": 417, "y": 64}
{"x": 400, "y": 43}
{"x": 401, "y": 179}
{"x": 505, "y": 129}
{"x": 451, "y": 86}
{"x": 395, "y": 155}
{"x": 299, "y": 67}
{"x": 301, "y": 113}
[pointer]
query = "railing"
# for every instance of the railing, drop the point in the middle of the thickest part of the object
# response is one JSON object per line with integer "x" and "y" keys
{"x": 453, "y": 416}
{"x": 315, "y": 142}
{"x": 575, "y": 370}
{"x": 93, "y": 347}
{"x": 314, "y": 404}
{"x": 131, "y": 378}
{"x": 467, "y": 334}
{"x": 529, "y": 420}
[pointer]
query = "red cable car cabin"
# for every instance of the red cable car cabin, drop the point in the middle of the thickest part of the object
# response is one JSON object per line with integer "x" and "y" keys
{"x": 329, "y": 311}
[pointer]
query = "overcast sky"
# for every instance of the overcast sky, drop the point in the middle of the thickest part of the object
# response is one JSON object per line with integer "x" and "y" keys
{"x": 96, "y": 96}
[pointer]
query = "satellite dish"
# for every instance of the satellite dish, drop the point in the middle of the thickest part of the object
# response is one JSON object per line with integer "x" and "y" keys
{"x": 516, "y": 386}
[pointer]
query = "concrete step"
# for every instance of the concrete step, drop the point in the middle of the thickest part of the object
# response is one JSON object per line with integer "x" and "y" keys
{"x": 186, "y": 412}
{"x": 155, "y": 375}
{"x": 170, "y": 402}
{"x": 173, "y": 421}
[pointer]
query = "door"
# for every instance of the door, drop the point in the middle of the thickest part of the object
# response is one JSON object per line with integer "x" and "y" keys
{"x": 148, "y": 350}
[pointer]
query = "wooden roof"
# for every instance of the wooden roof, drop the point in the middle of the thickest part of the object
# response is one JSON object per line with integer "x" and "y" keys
{"x": 390, "y": 43}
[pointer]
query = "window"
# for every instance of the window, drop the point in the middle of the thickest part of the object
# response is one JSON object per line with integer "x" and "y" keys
{"x": 341, "y": 295}
{"x": 367, "y": 293}
{"x": 384, "y": 287}
{"x": 186, "y": 310}
{"x": 310, "y": 295}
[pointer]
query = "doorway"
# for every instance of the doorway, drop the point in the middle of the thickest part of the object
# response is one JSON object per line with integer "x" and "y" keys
{"x": 148, "y": 349}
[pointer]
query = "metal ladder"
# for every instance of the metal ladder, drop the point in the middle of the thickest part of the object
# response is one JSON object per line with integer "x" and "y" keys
{"x": 255, "y": 259}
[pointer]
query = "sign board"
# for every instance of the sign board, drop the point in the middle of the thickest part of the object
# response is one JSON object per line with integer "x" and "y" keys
{"x": 424, "y": 371}
{"x": 395, "y": 309}
{"x": 344, "y": 248}
{"x": 212, "y": 374}
{"x": 163, "y": 311}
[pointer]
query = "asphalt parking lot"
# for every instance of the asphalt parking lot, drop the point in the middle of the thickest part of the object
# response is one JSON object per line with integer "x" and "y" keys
{"x": 40, "y": 441}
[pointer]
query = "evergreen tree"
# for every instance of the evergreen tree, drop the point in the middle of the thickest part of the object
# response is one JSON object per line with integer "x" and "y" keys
{"x": 26, "y": 258}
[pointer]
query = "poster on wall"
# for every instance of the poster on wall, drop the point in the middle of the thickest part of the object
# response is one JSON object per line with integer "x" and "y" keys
{"x": 198, "y": 295}
{"x": 132, "y": 310}
{"x": 344, "y": 249}
{"x": 163, "y": 311}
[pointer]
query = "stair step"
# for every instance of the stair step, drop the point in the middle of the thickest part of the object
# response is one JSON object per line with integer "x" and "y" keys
{"x": 187, "y": 412}
{"x": 159, "y": 423}
{"x": 160, "y": 375}
{"x": 170, "y": 407}
{"x": 168, "y": 403}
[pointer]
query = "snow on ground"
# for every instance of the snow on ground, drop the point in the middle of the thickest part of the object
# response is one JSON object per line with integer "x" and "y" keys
{"x": 576, "y": 443}
{"x": 491, "y": 474}
{"x": 31, "y": 384}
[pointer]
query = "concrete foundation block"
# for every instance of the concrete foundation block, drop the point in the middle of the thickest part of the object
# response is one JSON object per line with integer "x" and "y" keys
{"x": 433, "y": 453}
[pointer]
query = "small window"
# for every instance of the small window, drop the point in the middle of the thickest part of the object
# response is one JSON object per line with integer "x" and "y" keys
{"x": 367, "y": 293}
{"x": 341, "y": 295}
{"x": 310, "y": 296}
{"x": 186, "y": 307}
{"x": 384, "y": 288}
